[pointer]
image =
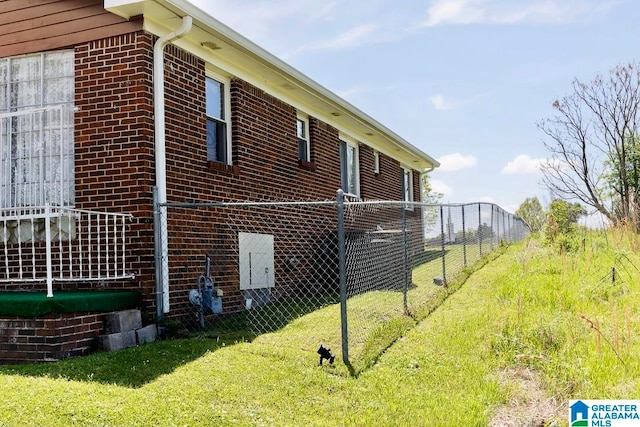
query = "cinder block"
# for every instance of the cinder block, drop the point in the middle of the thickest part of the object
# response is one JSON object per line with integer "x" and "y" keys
{"x": 122, "y": 321}
{"x": 118, "y": 340}
{"x": 147, "y": 334}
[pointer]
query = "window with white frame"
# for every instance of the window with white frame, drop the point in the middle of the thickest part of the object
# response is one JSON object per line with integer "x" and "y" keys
{"x": 36, "y": 130}
{"x": 218, "y": 127}
{"x": 304, "y": 146}
{"x": 407, "y": 187}
{"x": 376, "y": 162}
{"x": 349, "y": 167}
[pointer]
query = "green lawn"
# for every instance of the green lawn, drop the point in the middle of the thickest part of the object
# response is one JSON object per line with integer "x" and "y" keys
{"x": 559, "y": 319}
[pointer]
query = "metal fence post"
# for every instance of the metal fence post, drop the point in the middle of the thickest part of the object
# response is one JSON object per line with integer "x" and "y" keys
{"x": 493, "y": 208}
{"x": 342, "y": 267}
{"x": 480, "y": 232}
{"x": 464, "y": 239}
{"x": 405, "y": 263}
{"x": 444, "y": 267}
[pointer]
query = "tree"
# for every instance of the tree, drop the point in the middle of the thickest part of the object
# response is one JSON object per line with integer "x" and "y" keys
{"x": 485, "y": 232}
{"x": 565, "y": 215}
{"x": 532, "y": 213}
{"x": 618, "y": 187}
{"x": 561, "y": 226}
{"x": 430, "y": 197}
{"x": 593, "y": 145}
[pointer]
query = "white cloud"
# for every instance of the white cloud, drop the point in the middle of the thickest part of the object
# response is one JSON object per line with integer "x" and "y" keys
{"x": 486, "y": 199}
{"x": 440, "y": 187}
{"x": 510, "y": 207}
{"x": 440, "y": 103}
{"x": 332, "y": 25}
{"x": 456, "y": 161}
{"x": 443, "y": 12}
{"x": 523, "y": 164}
{"x": 261, "y": 21}
{"x": 353, "y": 37}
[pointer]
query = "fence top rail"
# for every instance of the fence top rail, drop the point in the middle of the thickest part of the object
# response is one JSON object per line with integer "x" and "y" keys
{"x": 323, "y": 203}
{"x": 248, "y": 204}
{"x": 419, "y": 204}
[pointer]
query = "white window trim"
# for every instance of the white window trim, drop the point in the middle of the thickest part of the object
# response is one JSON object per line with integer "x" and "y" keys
{"x": 376, "y": 162}
{"x": 41, "y": 110}
{"x": 227, "y": 111}
{"x": 350, "y": 142}
{"x": 304, "y": 119}
{"x": 408, "y": 192}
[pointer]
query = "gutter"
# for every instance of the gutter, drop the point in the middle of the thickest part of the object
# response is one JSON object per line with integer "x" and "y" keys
{"x": 162, "y": 271}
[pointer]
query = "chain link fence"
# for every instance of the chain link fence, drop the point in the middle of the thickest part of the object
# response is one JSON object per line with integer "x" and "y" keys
{"x": 347, "y": 273}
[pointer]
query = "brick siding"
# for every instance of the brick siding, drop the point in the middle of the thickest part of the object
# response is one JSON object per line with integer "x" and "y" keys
{"x": 114, "y": 159}
{"x": 51, "y": 337}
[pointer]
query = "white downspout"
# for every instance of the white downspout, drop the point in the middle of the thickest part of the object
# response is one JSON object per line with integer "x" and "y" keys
{"x": 162, "y": 283}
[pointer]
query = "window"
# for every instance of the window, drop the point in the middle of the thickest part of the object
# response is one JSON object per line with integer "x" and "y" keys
{"x": 407, "y": 187}
{"x": 349, "y": 168}
{"x": 376, "y": 162}
{"x": 304, "y": 147}
{"x": 218, "y": 139}
{"x": 36, "y": 130}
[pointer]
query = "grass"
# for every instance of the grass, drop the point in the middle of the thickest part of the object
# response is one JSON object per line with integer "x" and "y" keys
{"x": 560, "y": 317}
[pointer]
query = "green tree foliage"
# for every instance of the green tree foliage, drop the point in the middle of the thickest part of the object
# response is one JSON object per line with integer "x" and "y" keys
{"x": 624, "y": 176}
{"x": 430, "y": 197}
{"x": 562, "y": 224}
{"x": 531, "y": 211}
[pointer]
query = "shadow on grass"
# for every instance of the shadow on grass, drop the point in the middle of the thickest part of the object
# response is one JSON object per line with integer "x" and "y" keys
{"x": 137, "y": 366}
{"x": 428, "y": 256}
{"x": 132, "y": 367}
{"x": 249, "y": 324}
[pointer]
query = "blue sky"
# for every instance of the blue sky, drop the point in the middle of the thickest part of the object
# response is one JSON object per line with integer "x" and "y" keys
{"x": 465, "y": 81}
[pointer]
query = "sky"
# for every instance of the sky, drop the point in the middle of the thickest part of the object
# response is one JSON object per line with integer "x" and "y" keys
{"x": 465, "y": 81}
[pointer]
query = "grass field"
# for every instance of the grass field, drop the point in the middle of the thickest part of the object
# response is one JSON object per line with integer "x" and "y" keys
{"x": 523, "y": 335}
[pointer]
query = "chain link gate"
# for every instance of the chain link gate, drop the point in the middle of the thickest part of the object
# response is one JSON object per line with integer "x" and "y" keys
{"x": 245, "y": 269}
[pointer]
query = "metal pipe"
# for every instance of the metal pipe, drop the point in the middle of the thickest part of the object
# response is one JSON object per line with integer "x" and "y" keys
{"x": 47, "y": 228}
{"x": 444, "y": 264}
{"x": 162, "y": 282}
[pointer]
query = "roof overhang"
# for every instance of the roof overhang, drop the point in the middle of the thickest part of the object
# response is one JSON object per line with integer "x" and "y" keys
{"x": 230, "y": 53}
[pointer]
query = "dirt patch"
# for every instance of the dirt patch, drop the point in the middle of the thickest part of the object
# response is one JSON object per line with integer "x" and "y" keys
{"x": 528, "y": 405}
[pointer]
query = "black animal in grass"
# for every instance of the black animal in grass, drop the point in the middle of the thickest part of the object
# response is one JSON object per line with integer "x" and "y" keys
{"x": 325, "y": 353}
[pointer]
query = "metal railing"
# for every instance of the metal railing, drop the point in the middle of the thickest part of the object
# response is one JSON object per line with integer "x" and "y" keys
{"x": 57, "y": 244}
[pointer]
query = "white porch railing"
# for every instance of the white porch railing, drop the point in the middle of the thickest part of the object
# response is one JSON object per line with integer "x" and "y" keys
{"x": 56, "y": 244}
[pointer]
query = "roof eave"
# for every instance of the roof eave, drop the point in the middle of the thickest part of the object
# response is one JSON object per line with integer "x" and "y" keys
{"x": 405, "y": 151}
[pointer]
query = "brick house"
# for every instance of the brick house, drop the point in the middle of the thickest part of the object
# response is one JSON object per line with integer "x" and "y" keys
{"x": 155, "y": 93}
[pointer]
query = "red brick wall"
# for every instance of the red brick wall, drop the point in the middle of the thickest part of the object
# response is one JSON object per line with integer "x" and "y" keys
{"x": 114, "y": 160}
{"x": 114, "y": 123}
{"x": 52, "y": 337}
{"x": 265, "y": 168}
{"x": 115, "y": 171}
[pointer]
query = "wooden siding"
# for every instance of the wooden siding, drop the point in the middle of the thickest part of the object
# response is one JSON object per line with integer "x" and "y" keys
{"x": 29, "y": 26}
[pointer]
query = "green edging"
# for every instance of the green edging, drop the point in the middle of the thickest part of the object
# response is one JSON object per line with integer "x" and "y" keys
{"x": 36, "y": 304}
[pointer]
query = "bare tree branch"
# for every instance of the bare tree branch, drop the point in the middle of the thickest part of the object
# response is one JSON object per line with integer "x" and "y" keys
{"x": 593, "y": 146}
